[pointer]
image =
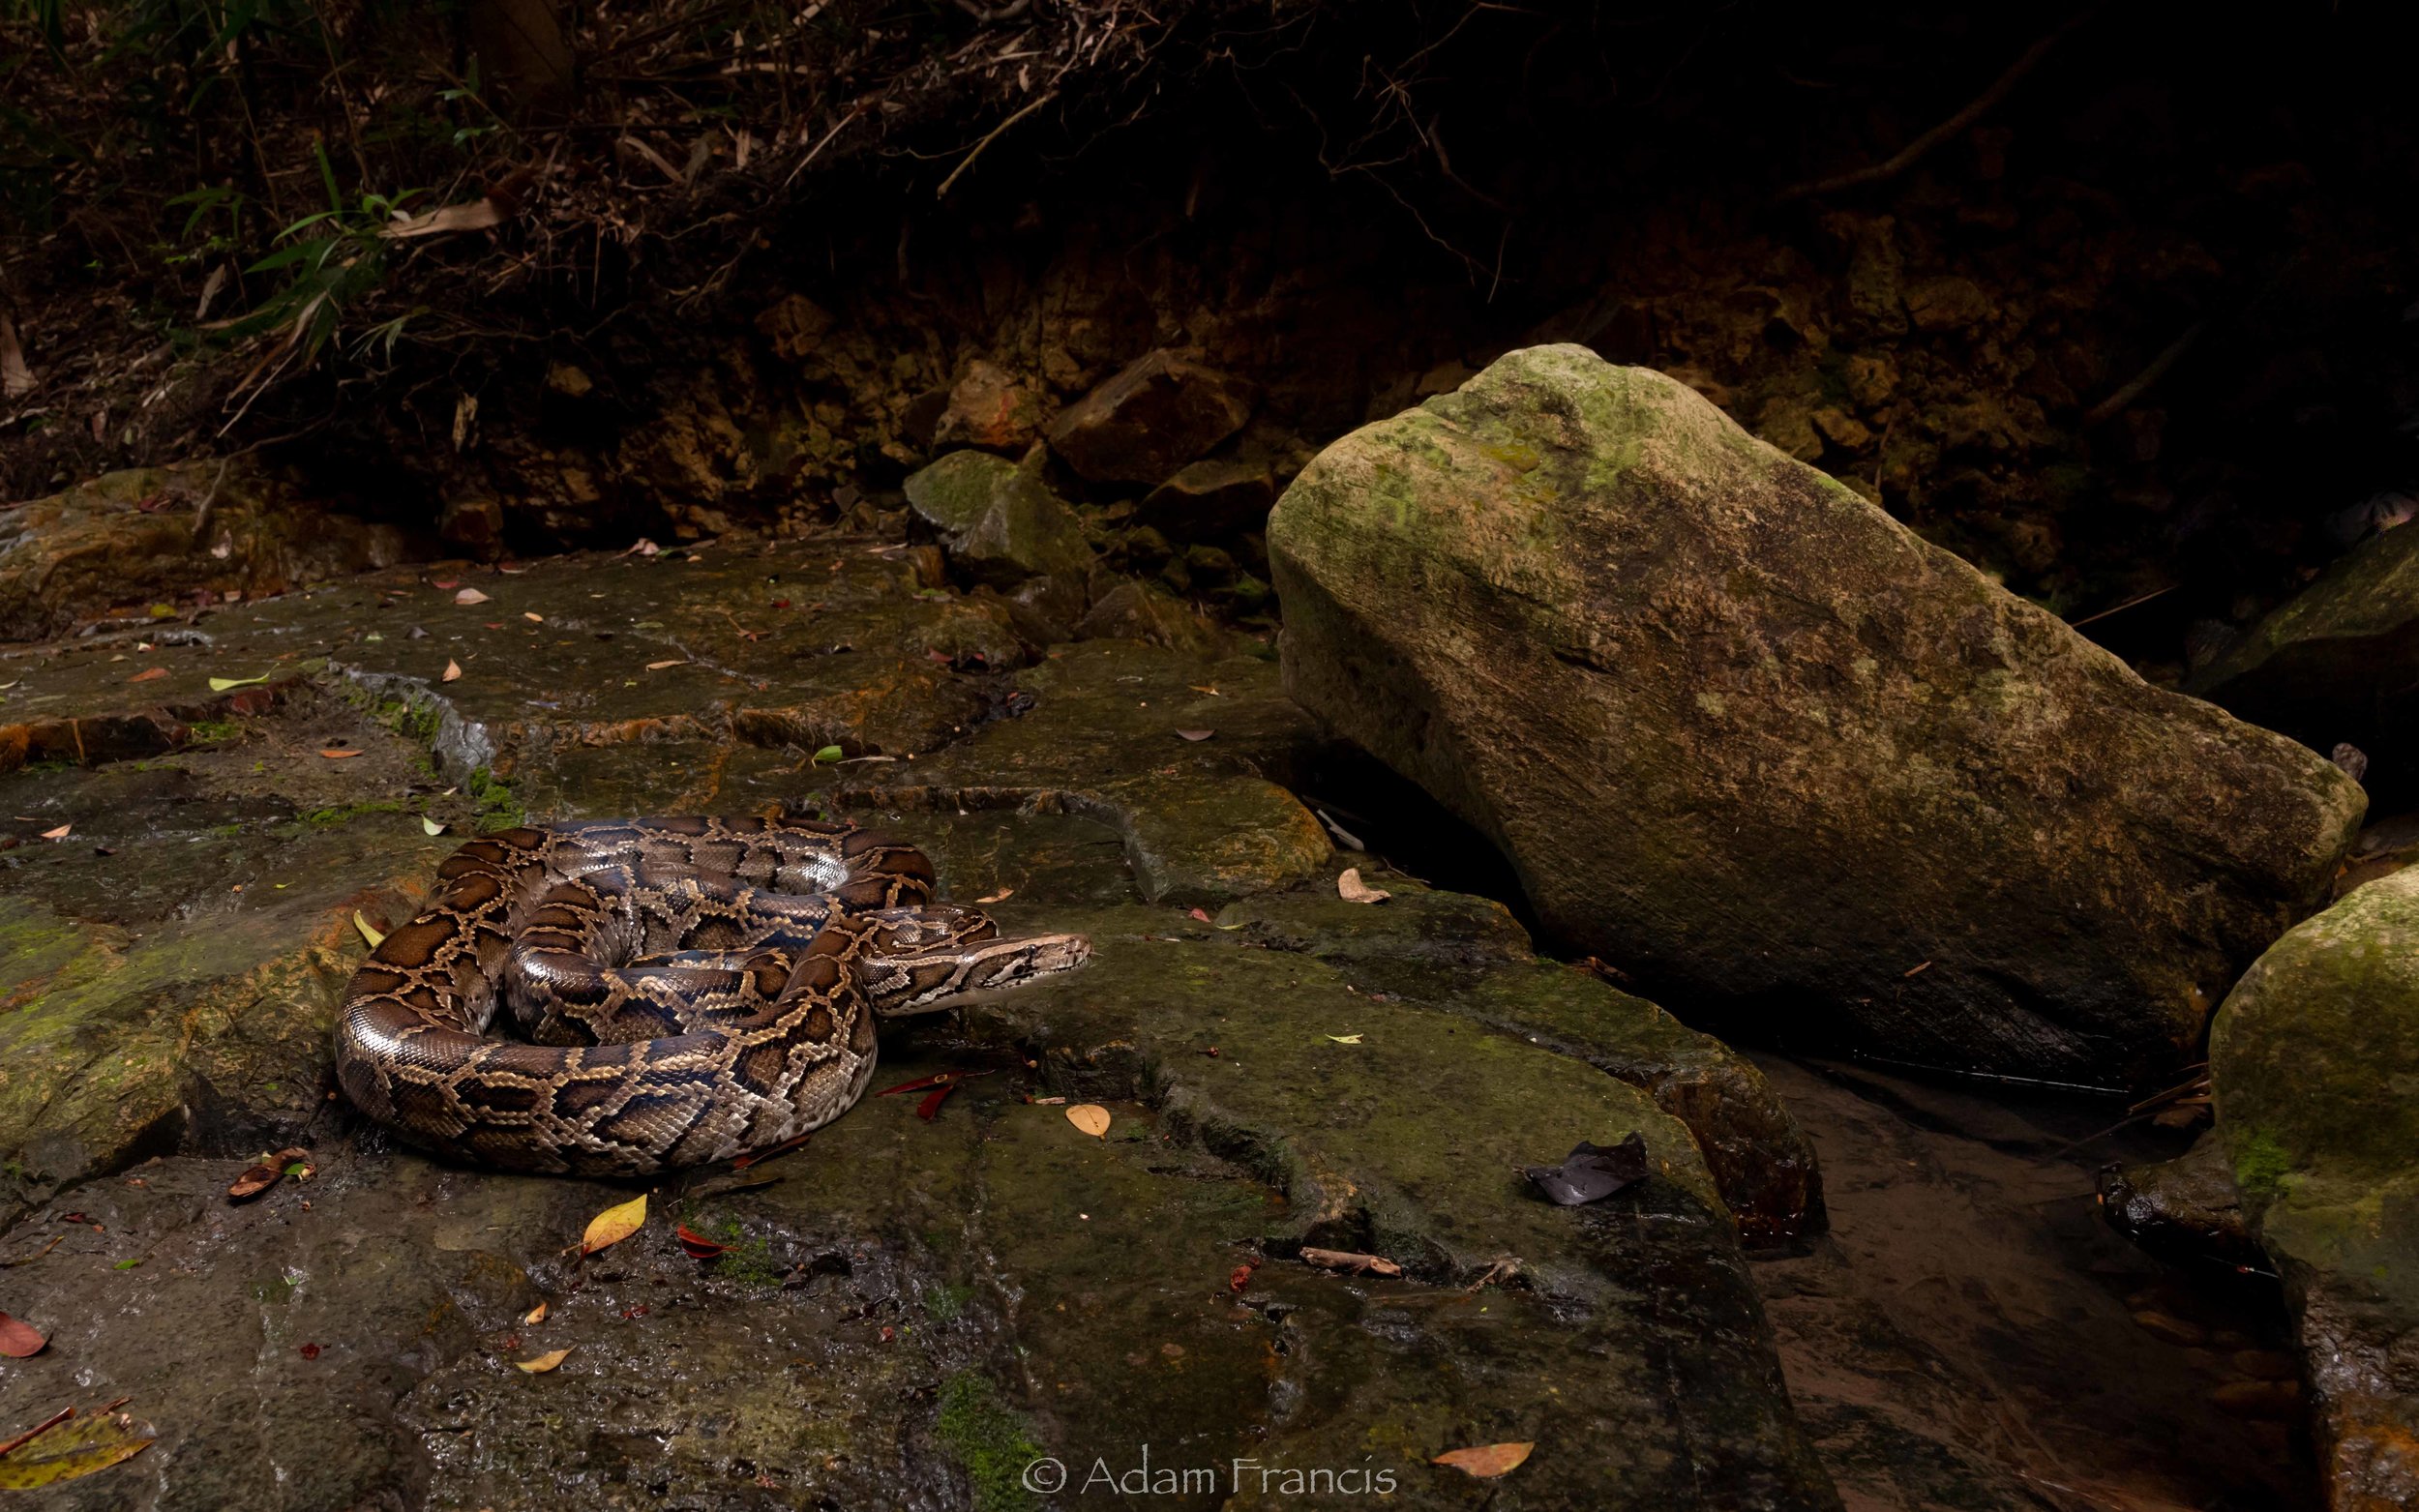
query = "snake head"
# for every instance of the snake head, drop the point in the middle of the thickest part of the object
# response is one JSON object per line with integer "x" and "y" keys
{"x": 928, "y": 978}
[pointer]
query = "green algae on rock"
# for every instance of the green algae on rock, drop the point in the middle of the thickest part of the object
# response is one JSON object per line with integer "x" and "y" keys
{"x": 1750, "y": 739}
{"x": 2314, "y": 1061}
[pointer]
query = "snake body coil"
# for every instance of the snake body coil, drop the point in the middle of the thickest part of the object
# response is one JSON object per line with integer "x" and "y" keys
{"x": 692, "y": 989}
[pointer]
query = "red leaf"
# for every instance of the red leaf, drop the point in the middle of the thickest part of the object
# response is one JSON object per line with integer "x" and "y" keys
{"x": 447, "y": 583}
{"x": 937, "y": 1079}
{"x": 1238, "y": 1278}
{"x": 19, "y": 1338}
{"x": 696, "y": 1245}
{"x": 1202, "y": 914}
{"x": 310, "y": 1351}
{"x": 148, "y": 673}
{"x": 930, "y": 1106}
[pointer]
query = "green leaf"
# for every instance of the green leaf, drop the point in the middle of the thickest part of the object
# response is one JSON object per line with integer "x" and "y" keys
{"x": 128, "y": 1264}
{"x": 827, "y": 754}
{"x": 75, "y": 1447}
{"x": 222, "y": 684}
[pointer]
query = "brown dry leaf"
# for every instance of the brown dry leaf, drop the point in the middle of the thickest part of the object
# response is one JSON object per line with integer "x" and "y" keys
{"x": 535, "y": 1315}
{"x": 476, "y": 215}
{"x": 77, "y": 1447}
{"x": 545, "y": 1362}
{"x": 1091, "y": 1117}
{"x": 612, "y": 1226}
{"x": 657, "y": 667}
{"x": 1001, "y": 896}
{"x": 469, "y": 596}
{"x": 1348, "y": 1259}
{"x": 148, "y": 673}
{"x": 1351, "y": 889}
{"x": 453, "y": 669}
{"x": 19, "y": 1338}
{"x": 57, "y": 834}
{"x": 339, "y": 756}
{"x": 1487, "y": 1461}
{"x": 255, "y": 1180}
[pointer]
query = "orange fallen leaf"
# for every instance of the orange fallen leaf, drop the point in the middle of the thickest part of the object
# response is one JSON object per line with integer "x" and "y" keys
{"x": 58, "y": 834}
{"x": 1001, "y": 896}
{"x": 532, "y": 618}
{"x": 148, "y": 673}
{"x": 339, "y": 755}
{"x": 471, "y": 596}
{"x": 19, "y": 1338}
{"x": 453, "y": 669}
{"x": 543, "y": 1362}
{"x": 535, "y": 1315}
{"x": 696, "y": 1245}
{"x": 612, "y": 1226}
{"x": 1487, "y": 1461}
{"x": 1091, "y": 1117}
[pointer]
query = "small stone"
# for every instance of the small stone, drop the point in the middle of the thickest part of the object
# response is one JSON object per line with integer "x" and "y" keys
{"x": 1843, "y": 430}
{"x": 1158, "y": 414}
{"x": 1142, "y": 612}
{"x": 1210, "y": 500}
{"x": 987, "y": 408}
{"x": 2173, "y": 1329}
{"x": 1949, "y": 304}
{"x": 475, "y": 527}
{"x": 2272, "y": 1399}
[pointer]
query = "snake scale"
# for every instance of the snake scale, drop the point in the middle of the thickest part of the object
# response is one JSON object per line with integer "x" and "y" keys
{"x": 690, "y": 990}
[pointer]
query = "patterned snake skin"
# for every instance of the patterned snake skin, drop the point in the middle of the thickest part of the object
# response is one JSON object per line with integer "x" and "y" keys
{"x": 694, "y": 989}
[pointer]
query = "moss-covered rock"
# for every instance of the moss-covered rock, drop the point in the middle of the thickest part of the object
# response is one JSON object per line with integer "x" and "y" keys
{"x": 2314, "y": 1063}
{"x": 1003, "y": 527}
{"x": 1752, "y": 740}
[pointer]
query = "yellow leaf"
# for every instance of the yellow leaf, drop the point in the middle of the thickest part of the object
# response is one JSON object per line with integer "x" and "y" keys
{"x": 1487, "y": 1461}
{"x": 1345, "y": 1039}
{"x": 1091, "y": 1117}
{"x": 431, "y": 826}
{"x": 613, "y": 1224}
{"x": 75, "y": 1447}
{"x": 535, "y": 1315}
{"x": 222, "y": 684}
{"x": 550, "y": 1359}
{"x": 375, "y": 938}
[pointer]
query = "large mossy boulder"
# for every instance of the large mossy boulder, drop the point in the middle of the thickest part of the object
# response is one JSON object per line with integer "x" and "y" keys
{"x": 1749, "y": 737}
{"x": 2314, "y": 1063}
{"x": 2339, "y": 662}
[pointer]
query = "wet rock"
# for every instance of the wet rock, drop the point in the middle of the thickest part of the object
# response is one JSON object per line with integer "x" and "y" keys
{"x": 1209, "y": 501}
{"x": 1003, "y": 527}
{"x": 156, "y": 535}
{"x": 2312, "y": 1059}
{"x": 909, "y": 1310}
{"x": 1143, "y": 611}
{"x": 474, "y": 527}
{"x": 1746, "y": 737}
{"x": 2338, "y": 662}
{"x": 2188, "y": 1208}
{"x": 987, "y": 408}
{"x": 1153, "y": 416}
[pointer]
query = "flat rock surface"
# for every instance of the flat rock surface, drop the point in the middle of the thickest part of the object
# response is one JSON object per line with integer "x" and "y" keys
{"x": 909, "y": 1311}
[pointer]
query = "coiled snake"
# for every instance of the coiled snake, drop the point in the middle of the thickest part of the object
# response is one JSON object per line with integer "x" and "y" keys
{"x": 692, "y": 989}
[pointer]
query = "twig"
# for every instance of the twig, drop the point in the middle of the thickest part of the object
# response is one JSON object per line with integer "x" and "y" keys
{"x": 844, "y": 121}
{"x": 43, "y": 1427}
{"x": 2122, "y": 398}
{"x": 968, "y": 161}
{"x": 1907, "y": 156}
{"x": 2119, "y": 609}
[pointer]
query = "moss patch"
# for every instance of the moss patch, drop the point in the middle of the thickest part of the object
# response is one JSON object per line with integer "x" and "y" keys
{"x": 991, "y": 1443}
